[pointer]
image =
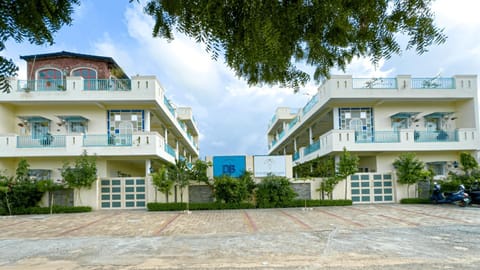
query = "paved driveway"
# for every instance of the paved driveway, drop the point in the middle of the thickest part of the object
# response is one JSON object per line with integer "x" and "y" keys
{"x": 362, "y": 236}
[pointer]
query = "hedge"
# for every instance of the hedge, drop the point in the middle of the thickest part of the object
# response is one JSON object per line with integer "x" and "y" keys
{"x": 220, "y": 206}
{"x": 415, "y": 201}
{"x": 46, "y": 210}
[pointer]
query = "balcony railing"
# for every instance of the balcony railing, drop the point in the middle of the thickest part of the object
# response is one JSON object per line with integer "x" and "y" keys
{"x": 376, "y": 83}
{"x": 293, "y": 122}
{"x": 377, "y": 137}
{"x": 310, "y": 104}
{"x": 44, "y": 141}
{"x": 169, "y": 106}
{"x": 311, "y": 148}
{"x": 436, "y": 136}
{"x": 107, "y": 140}
{"x": 170, "y": 150}
{"x": 107, "y": 85}
{"x": 41, "y": 85}
{"x": 296, "y": 156}
{"x": 429, "y": 83}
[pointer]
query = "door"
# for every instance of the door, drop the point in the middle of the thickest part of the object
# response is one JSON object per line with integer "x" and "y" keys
{"x": 371, "y": 188}
{"x": 123, "y": 193}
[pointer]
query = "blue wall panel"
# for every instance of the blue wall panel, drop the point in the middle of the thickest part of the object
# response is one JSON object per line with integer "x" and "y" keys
{"x": 229, "y": 165}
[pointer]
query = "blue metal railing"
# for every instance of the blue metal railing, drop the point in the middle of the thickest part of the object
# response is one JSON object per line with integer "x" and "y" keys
{"x": 169, "y": 106}
{"x": 281, "y": 134}
{"x": 433, "y": 83}
{"x": 107, "y": 85}
{"x": 375, "y": 83}
{"x": 436, "y": 136}
{"x": 107, "y": 140}
{"x": 293, "y": 122}
{"x": 310, "y": 104}
{"x": 41, "y": 85}
{"x": 42, "y": 141}
{"x": 170, "y": 150}
{"x": 296, "y": 156}
{"x": 311, "y": 148}
{"x": 377, "y": 137}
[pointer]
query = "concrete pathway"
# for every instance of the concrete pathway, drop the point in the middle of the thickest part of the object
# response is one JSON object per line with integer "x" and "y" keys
{"x": 388, "y": 236}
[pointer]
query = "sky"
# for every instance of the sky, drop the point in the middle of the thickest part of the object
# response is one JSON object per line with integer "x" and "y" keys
{"x": 231, "y": 116}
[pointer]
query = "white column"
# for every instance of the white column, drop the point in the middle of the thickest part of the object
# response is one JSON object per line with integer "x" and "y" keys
{"x": 336, "y": 116}
{"x": 146, "y": 120}
{"x": 177, "y": 154}
{"x": 295, "y": 144}
{"x": 148, "y": 166}
{"x": 310, "y": 134}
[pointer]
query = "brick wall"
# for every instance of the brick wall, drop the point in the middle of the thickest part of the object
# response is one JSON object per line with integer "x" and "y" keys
{"x": 68, "y": 64}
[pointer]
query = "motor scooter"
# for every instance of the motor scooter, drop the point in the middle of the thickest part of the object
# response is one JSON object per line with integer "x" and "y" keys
{"x": 460, "y": 197}
{"x": 474, "y": 193}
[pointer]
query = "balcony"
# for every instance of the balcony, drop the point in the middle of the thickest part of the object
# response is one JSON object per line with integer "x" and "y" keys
{"x": 465, "y": 139}
{"x": 137, "y": 144}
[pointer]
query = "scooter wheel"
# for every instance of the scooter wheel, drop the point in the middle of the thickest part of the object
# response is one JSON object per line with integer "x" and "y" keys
{"x": 462, "y": 204}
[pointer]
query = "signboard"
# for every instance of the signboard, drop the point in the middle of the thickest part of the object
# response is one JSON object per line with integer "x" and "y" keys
{"x": 233, "y": 166}
{"x": 264, "y": 165}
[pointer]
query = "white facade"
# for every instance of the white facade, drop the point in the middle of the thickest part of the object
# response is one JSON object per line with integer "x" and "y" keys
{"x": 128, "y": 124}
{"x": 377, "y": 119}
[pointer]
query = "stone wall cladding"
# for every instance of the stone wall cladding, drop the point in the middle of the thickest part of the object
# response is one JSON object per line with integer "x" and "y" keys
{"x": 302, "y": 190}
{"x": 200, "y": 194}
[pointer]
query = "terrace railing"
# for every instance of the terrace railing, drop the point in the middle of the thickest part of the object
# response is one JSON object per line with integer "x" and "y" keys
{"x": 107, "y": 85}
{"x": 311, "y": 148}
{"x": 377, "y": 137}
{"x": 104, "y": 140}
{"x": 41, "y": 85}
{"x": 375, "y": 83}
{"x": 436, "y": 136}
{"x": 44, "y": 141}
{"x": 170, "y": 150}
{"x": 436, "y": 83}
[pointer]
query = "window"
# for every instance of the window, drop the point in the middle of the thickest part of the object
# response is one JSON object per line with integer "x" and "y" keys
{"x": 89, "y": 75}
{"x": 40, "y": 129}
{"x": 39, "y": 174}
{"x": 49, "y": 79}
{"x": 438, "y": 168}
{"x": 76, "y": 127}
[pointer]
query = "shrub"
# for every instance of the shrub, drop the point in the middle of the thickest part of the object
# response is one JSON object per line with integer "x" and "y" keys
{"x": 197, "y": 206}
{"x": 274, "y": 191}
{"x": 415, "y": 201}
{"x": 230, "y": 190}
{"x": 46, "y": 210}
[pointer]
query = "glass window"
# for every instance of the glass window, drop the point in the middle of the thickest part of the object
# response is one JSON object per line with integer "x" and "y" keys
{"x": 49, "y": 79}
{"x": 76, "y": 127}
{"x": 89, "y": 76}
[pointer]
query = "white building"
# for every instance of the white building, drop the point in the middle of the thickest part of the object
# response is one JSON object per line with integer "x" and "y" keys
{"x": 377, "y": 119}
{"x": 74, "y": 102}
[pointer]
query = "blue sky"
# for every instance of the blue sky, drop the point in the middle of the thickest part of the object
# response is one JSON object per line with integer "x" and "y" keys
{"x": 233, "y": 117}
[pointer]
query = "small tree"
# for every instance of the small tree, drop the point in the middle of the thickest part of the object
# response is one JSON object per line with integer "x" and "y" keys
{"x": 409, "y": 169}
{"x": 182, "y": 174}
{"x": 21, "y": 174}
{"x": 49, "y": 186}
{"x": 82, "y": 175}
{"x": 198, "y": 172}
{"x": 347, "y": 166}
{"x": 468, "y": 162}
{"x": 163, "y": 182}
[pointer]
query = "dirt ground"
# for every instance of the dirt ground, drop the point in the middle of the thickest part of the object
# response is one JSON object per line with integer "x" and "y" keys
{"x": 355, "y": 237}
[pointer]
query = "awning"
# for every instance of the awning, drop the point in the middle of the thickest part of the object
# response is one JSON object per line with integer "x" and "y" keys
{"x": 73, "y": 118}
{"x": 403, "y": 115}
{"x": 34, "y": 118}
{"x": 437, "y": 115}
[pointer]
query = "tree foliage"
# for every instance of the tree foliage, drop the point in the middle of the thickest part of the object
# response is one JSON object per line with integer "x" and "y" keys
{"x": 32, "y": 21}
{"x": 347, "y": 165}
{"x": 163, "y": 181}
{"x": 230, "y": 190}
{"x": 409, "y": 169}
{"x": 262, "y": 41}
{"x": 83, "y": 174}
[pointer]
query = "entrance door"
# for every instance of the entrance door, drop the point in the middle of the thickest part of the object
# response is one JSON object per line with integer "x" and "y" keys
{"x": 123, "y": 193}
{"x": 372, "y": 188}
